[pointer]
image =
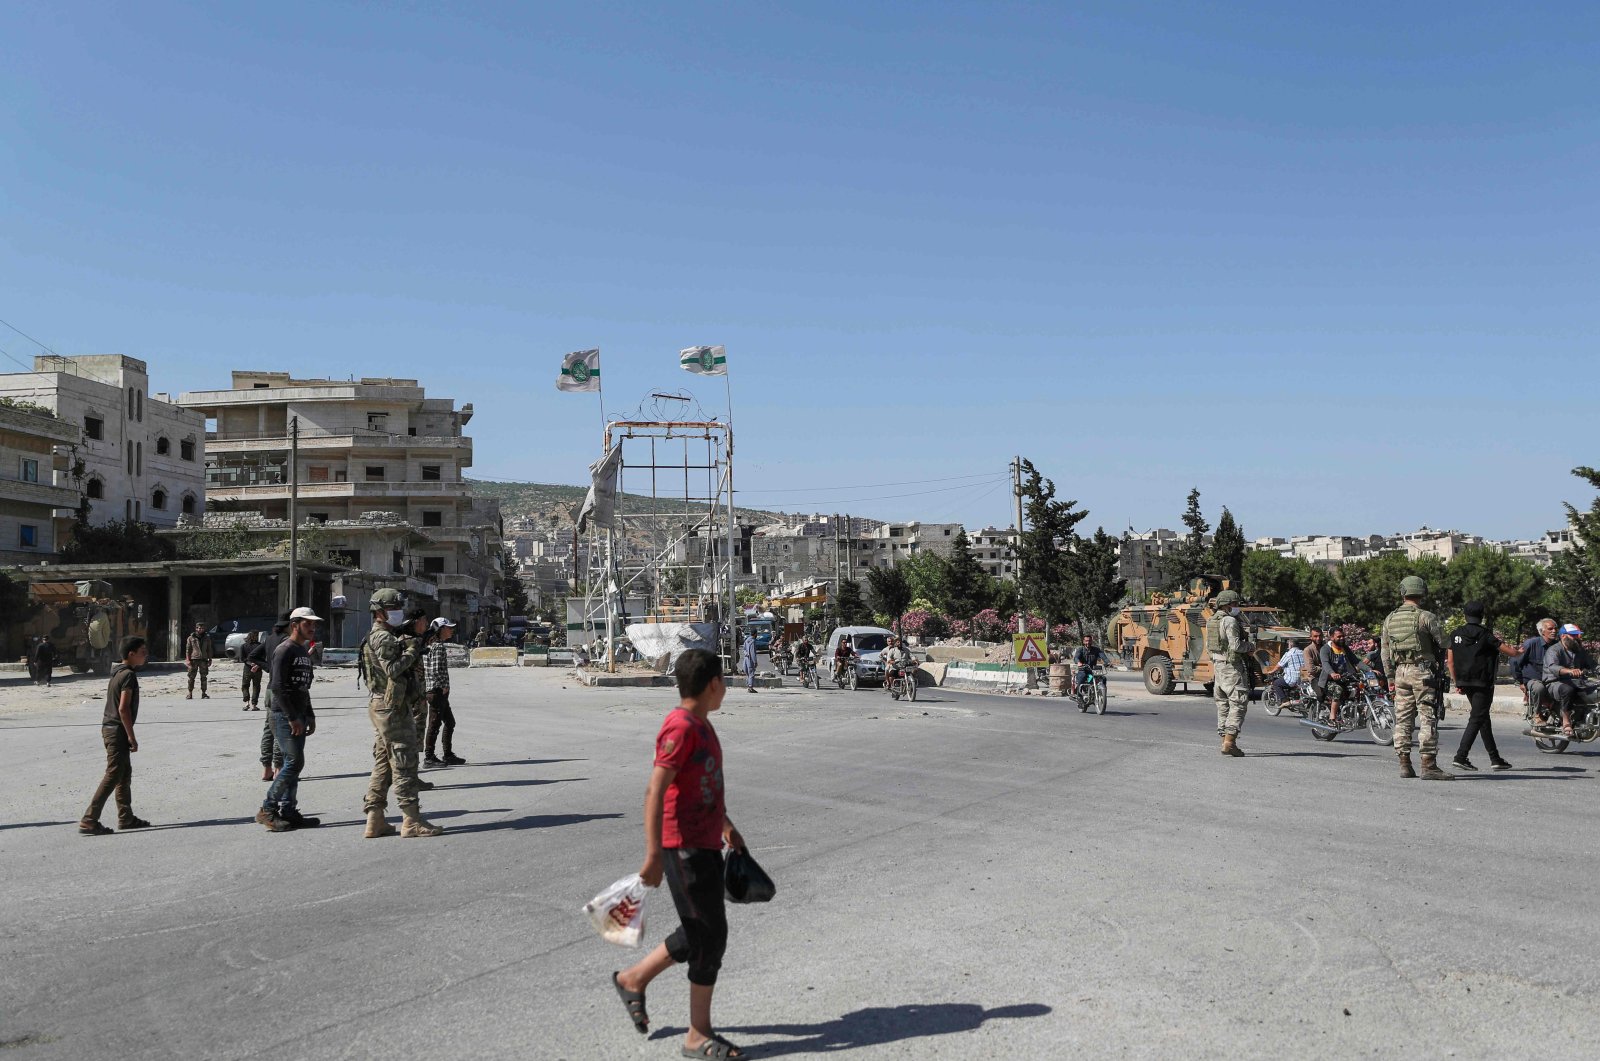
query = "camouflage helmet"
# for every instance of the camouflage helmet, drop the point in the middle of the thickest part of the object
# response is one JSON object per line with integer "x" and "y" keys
{"x": 1412, "y": 586}
{"x": 386, "y": 600}
{"x": 1226, "y": 599}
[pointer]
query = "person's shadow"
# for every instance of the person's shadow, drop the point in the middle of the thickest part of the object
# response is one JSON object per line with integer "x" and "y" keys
{"x": 874, "y": 1026}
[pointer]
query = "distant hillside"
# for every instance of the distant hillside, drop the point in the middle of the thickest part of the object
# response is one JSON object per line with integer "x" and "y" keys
{"x": 557, "y": 506}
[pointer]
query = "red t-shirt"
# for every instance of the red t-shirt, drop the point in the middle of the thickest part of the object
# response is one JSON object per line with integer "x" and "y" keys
{"x": 693, "y": 813}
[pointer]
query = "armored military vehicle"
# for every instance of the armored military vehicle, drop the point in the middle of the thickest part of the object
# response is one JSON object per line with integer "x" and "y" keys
{"x": 1166, "y": 639}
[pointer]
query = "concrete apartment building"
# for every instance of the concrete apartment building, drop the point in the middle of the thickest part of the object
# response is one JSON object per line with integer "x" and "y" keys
{"x": 995, "y": 549}
{"x": 365, "y": 446}
{"x": 892, "y": 542}
{"x": 33, "y": 447}
{"x": 143, "y": 457}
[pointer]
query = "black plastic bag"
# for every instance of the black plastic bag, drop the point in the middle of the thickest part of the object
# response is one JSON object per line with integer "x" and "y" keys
{"x": 745, "y": 881}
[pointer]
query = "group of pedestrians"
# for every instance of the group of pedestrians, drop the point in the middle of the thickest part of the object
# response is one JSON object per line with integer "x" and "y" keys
{"x": 407, "y": 670}
{"x": 1417, "y": 660}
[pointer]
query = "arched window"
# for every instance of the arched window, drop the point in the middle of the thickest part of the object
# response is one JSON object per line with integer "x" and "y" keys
{"x": 163, "y": 446}
{"x": 188, "y": 504}
{"x": 186, "y": 449}
{"x": 94, "y": 488}
{"x": 158, "y": 500}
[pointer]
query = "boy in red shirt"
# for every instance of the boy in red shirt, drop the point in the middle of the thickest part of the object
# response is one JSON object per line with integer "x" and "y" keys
{"x": 685, "y": 828}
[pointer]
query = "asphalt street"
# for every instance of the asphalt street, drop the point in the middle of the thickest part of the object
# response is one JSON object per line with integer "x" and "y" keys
{"x": 970, "y": 875}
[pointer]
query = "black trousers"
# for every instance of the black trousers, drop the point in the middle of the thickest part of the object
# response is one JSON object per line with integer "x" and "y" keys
{"x": 694, "y": 876}
{"x": 440, "y": 717}
{"x": 1479, "y": 701}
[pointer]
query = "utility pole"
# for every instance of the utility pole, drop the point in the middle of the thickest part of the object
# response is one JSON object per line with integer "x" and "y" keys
{"x": 1022, "y": 610}
{"x": 294, "y": 522}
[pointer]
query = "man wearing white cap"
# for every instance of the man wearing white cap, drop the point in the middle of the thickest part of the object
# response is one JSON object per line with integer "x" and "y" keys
{"x": 436, "y": 670}
{"x": 293, "y": 721}
{"x": 1565, "y": 664}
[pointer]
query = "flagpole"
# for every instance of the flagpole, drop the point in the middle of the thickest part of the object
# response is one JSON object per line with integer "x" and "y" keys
{"x": 733, "y": 602}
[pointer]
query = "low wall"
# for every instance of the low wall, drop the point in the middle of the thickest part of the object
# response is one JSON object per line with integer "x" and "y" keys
{"x": 951, "y": 653}
{"x": 984, "y": 677}
{"x": 493, "y": 657}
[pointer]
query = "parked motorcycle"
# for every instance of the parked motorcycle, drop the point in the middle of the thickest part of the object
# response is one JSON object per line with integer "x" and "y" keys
{"x": 1545, "y": 729}
{"x": 1360, "y": 704}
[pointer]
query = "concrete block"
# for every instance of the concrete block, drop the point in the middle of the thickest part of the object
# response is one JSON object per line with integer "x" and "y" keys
{"x": 499, "y": 656}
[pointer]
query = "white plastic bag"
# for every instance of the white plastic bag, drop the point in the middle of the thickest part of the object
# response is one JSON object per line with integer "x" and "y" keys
{"x": 617, "y": 913}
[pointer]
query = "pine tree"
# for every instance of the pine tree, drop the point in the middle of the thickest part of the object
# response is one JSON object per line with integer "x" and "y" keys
{"x": 1227, "y": 549}
{"x": 1575, "y": 573}
{"x": 848, "y": 607}
{"x": 1190, "y": 556}
{"x": 965, "y": 588}
{"x": 1048, "y": 581}
{"x": 889, "y": 591}
{"x": 1097, "y": 587}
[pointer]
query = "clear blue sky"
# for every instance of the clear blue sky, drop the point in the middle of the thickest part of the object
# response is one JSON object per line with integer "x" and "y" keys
{"x": 1336, "y": 266}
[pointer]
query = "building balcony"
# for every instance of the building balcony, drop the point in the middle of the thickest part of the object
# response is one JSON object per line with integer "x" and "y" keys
{"x": 33, "y": 493}
{"x": 357, "y": 442}
{"x": 454, "y": 535}
{"x": 455, "y": 583}
{"x": 223, "y": 490}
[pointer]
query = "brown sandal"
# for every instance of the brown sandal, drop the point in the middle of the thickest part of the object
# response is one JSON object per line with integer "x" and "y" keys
{"x": 634, "y": 1001}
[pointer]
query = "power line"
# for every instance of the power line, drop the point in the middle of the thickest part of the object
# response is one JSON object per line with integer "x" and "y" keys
{"x": 15, "y": 361}
{"x": 30, "y": 339}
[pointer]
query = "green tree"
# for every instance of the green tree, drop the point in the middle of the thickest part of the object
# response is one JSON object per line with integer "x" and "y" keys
{"x": 117, "y": 542}
{"x": 849, "y": 609}
{"x": 218, "y": 543}
{"x": 1513, "y": 590}
{"x": 1228, "y": 549}
{"x": 889, "y": 592}
{"x": 1189, "y": 556}
{"x": 965, "y": 588}
{"x": 1575, "y": 573}
{"x": 511, "y": 587}
{"x": 1368, "y": 590}
{"x": 1300, "y": 590}
{"x": 924, "y": 572}
{"x": 1095, "y": 586}
{"x": 1049, "y": 583}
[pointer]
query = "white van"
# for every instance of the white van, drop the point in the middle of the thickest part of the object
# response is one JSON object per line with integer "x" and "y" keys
{"x": 869, "y": 643}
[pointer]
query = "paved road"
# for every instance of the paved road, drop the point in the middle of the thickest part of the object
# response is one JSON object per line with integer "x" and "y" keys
{"x": 970, "y": 876}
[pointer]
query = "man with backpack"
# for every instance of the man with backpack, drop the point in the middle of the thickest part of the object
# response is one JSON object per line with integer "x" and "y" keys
{"x": 1472, "y": 656}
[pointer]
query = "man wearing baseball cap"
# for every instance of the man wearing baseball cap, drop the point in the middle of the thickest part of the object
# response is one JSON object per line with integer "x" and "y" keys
{"x": 293, "y": 721}
{"x": 1565, "y": 664}
{"x": 436, "y": 675}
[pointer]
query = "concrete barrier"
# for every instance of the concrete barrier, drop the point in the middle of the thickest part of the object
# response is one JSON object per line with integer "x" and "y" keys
{"x": 951, "y": 653}
{"x": 498, "y": 656}
{"x": 984, "y": 677}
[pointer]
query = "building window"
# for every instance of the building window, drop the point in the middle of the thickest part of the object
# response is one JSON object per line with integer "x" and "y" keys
{"x": 430, "y": 473}
{"x": 374, "y": 473}
{"x": 186, "y": 449}
{"x": 130, "y": 403}
{"x": 158, "y": 500}
{"x": 130, "y": 457}
{"x": 138, "y": 458}
{"x": 347, "y": 557}
{"x": 399, "y": 561}
{"x": 28, "y": 536}
{"x": 28, "y": 470}
{"x": 433, "y": 518}
{"x": 163, "y": 446}
{"x": 317, "y": 473}
{"x": 94, "y": 488}
{"x": 94, "y": 427}
{"x": 433, "y": 565}
{"x": 411, "y": 431}
{"x": 377, "y": 421}
{"x": 139, "y": 405}
{"x": 188, "y": 504}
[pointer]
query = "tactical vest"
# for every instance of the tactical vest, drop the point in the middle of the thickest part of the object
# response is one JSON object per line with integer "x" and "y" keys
{"x": 377, "y": 677}
{"x": 1409, "y": 641}
{"x": 1214, "y": 634}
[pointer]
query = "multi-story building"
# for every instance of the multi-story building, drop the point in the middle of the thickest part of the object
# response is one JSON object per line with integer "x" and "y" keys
{"x": 369, "y": 445}
{"x": 893, "y": 542}
{"x": 33, "y": 447}
{"x": 996, "y": 550}
{"x": 139, "y": 456}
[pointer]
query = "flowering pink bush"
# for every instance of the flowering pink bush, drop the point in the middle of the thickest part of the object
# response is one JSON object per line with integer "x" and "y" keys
{"x": 1035, "y": 624}
{"x": 960, "y": 628}
{"x": 988, "y": 626}
{"x": 920, "y": 623}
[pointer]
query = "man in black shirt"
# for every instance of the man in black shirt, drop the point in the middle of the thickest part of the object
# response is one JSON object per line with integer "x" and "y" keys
{"x": 293, "y": 721}
{"x": 116, "y": 732}
{"x": 1473, "y": 656}
{"x": 44, "y": 661}
{"x": 253, "y": 657}
{"x": 271, "y": 754}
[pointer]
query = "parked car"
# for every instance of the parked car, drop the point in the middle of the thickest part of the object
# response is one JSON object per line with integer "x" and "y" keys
{"x": 869, "y": 643}
{"x": 227, "y": 637}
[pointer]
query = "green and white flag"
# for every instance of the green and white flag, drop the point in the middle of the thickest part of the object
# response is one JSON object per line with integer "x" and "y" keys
{"x": 704, "y": 360}
{"x": 580, "y": 371}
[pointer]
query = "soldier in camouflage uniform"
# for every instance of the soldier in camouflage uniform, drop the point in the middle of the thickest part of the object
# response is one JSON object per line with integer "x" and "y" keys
{"x": 389, "y": 662}
{"x": 1230, "y": 672}
{"x": 415, "y": 683}
{"x": 1413, "y": 655}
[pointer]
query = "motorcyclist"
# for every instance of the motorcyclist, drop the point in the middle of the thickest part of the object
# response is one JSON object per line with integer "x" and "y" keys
{"x": 1085, "y": 657}
{"x": 779, "y": 652}
{"x": 805, "y": 654}
{"x": 1338, "y": 674}
{"x": 1314, "y": 655}
{"x": 896, "y": 661}
{"x": 843, "y": 656}
{"x": 1287, "y": 671}
{"x": 1565, "y": 665}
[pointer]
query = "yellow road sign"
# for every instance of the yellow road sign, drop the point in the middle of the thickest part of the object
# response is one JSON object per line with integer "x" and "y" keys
{"x": 1030, "y": 650}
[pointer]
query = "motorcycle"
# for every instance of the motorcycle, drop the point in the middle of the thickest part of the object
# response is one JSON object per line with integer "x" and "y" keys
{"x": 780, "y": 661}
{"x": 904, "y": 685}
{"x": 1545, "y": 728}
{"x": 1091, "y": 693}
{"x": 1360, "y": 704}
{"x": 845, "y": 675}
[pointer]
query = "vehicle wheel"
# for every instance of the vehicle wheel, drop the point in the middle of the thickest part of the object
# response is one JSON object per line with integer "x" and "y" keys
{"x": 1380, "y": 723}
{"x": 1099, "y": 698}
{"x": 1550, "y": 745}
{"x": 911, "y": 688}
{"x": 1083, "y": 703}
{"x": 1270, "y": 702}
{"x": 80, "y": 668}
{"x": 1320, "y": 735}
{"x": 1158, "y": 675}
{"x": 853, "y": 679}
{"x": 894, "y": 691}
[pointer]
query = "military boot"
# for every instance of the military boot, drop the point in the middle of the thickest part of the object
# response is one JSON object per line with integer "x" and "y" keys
{"x": 414, "y": 825}
{"x": 1405, "y": 765}
{"x": 1230, "y": 745}
{"x": 376, "y": 826}
{"x": 1431, "y": 771}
